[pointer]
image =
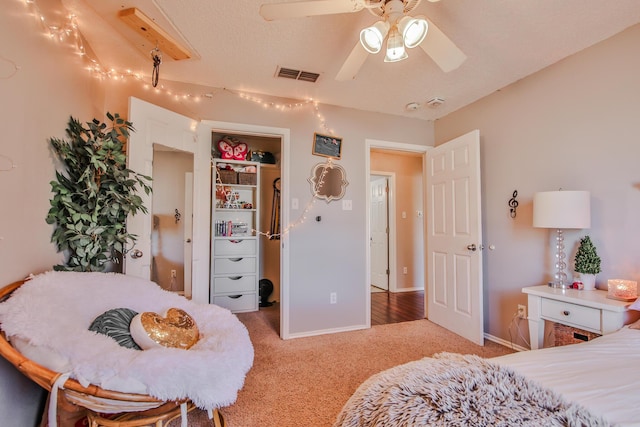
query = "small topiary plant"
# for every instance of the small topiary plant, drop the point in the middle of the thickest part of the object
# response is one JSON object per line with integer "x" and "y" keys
{"x": 587, "y": 260}
{"x": 94, "y": 195}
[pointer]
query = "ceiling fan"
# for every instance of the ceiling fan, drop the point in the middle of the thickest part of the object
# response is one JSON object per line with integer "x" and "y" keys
{"x": 396, "y": 26}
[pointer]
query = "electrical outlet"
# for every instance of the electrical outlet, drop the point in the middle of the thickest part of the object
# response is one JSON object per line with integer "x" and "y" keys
{"x": 522, "y": 311}
{"x": 404, "y": 270}
{"x": 333, "y": 298}
{"x": 174, "y": 273}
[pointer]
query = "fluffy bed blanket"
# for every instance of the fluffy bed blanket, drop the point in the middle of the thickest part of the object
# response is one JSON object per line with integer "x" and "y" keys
{"x": 457, "y": 390}
{"x": 50, "y": 316}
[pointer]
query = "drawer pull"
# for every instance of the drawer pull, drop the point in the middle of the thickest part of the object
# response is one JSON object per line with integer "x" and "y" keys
{"x": 235, "y": 241}
{"x": 566, "y": 312}
{"x": 235, "y": 296}
{"x": 235, "y": 259}
{"x": 235, "y": 277}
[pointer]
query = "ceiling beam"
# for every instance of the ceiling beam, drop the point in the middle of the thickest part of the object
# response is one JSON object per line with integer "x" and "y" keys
{"x": 151, "y": 31}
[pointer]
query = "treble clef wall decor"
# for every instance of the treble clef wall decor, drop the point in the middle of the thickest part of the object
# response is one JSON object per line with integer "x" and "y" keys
{"x": 513, "y": 204}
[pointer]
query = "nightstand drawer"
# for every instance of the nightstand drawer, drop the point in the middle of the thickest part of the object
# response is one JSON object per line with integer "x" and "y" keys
{"x": 577, "y": 315}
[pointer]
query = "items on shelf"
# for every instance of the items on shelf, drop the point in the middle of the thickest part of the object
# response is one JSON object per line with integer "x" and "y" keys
{"x": 232, "y": 148}
{"x": 230, "y": 228}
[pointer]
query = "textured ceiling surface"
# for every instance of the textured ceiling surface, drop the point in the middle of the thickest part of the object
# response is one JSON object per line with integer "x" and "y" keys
{"x": 235, "y": 48}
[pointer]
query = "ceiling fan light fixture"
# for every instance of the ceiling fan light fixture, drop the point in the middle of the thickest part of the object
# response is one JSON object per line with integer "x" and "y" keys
{"x": 395, "y": 47}
{"x": 413, "y": 30}
{"x": 372, "y": 37}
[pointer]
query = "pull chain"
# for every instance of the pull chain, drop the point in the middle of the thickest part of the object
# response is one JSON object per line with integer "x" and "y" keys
{"x": 156, "y": 55}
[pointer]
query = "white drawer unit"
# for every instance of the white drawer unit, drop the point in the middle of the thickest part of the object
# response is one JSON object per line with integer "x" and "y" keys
{"x": 234, "y": 242}
{"x": 238, "y": 302}
{"x": 234, "y": 284}
{"x": 235, "y": 246}
{"x": 588, "y": 310}
{"x": 234, "y": 265}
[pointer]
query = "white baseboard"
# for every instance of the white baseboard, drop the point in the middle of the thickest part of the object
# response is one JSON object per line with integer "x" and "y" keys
{"x": 505, "y": 343}
{"x": 327, "y": 331}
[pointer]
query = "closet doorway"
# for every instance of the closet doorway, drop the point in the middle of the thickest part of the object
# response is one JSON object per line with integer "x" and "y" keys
{"x": 268, "y": 150}
{"x": 402, "y": 166}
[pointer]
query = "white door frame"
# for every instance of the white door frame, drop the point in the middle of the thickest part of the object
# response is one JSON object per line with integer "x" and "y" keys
{"x": 391, "y": 232}
{"x": 395, "y": 146}
{"x": 208, "y": 126}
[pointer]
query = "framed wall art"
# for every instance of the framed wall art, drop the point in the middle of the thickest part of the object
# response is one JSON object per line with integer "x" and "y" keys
{"x": 327, "y": 146}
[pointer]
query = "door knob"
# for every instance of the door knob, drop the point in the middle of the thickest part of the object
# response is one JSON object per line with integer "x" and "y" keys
{"x": 188, "y": 240}
{"x": 472, "y": 247}
{"x": 136, "y": 253}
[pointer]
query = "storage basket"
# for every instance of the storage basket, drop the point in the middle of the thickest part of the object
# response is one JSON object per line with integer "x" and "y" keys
{"x": 246, "y": 178}
{"x": 564, "y": 335}
{"x": 228, "y": 176}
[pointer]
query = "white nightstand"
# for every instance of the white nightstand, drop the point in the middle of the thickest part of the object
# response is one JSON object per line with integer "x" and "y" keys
{"x": 588, "y": 310}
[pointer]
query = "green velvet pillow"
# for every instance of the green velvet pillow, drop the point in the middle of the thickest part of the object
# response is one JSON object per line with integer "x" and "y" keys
{"x": 115, "y": 324}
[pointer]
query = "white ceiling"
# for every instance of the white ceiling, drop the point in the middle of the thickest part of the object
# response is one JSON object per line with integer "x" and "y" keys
{"x": 234, "y": 48}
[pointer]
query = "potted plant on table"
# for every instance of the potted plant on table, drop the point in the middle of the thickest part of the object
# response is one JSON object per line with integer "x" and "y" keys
{"x": 587, "y": 263}
{"x": 94, "y": 196}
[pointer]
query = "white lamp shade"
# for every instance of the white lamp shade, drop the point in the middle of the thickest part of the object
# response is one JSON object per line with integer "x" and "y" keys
{"x": 395, "y": 47}
{"x": 413, "y": 30}
{"x": 562, "y": 209}
{"x": 372, "y": 37}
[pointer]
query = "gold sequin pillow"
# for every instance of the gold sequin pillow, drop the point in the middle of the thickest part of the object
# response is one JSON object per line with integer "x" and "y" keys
{"x": 174, "y": 329}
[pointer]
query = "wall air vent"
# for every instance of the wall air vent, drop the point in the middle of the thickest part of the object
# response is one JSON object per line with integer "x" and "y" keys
{"x": 290, "y": 73}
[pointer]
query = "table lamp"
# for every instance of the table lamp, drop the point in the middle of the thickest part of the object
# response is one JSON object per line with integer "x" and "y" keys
{"x": 561, "y": 210}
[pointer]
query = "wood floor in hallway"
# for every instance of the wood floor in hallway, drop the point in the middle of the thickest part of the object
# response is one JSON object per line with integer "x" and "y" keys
{"x": 387, "y": 307}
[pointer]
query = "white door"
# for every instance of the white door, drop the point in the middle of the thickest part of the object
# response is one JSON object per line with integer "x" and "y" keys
{"x": 188, "y": 232}
{"x": 379, "y": 239}
{"x": 156, "y": 125}
{"x": 454, "y": 237}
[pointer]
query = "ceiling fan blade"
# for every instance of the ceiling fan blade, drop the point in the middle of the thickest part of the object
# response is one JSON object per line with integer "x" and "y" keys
{"x": 308, "y": 8}
{"x": 441, "y": 49}
{"x": 353, "y": 63}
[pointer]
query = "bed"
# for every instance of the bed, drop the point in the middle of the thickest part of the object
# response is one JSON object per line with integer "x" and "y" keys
{"x": 45, "y": 324}
{"x": 587, "y": 384}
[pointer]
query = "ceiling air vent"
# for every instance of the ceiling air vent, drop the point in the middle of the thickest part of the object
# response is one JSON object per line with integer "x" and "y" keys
{"x": 290, "y": 73}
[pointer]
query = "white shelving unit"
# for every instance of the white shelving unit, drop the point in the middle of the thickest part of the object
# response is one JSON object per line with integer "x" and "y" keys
{"x": 235, "y": 250}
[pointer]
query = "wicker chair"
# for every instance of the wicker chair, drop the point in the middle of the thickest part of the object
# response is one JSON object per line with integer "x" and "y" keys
{"x": 76, "y": 401}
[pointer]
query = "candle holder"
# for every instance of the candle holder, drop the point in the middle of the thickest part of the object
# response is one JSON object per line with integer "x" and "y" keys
{"x": 623, "y": 290}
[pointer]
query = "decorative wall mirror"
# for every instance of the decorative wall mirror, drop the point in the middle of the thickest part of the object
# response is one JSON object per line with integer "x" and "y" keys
{"x": 328, "y": 181}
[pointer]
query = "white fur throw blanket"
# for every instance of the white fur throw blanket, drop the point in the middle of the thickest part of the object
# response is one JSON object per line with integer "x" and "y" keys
{"x": 457, "y": 390}
{"x": 50, "y": 316}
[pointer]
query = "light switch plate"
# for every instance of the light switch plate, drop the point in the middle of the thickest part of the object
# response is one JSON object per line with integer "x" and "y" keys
{"x": 347, "y": 205}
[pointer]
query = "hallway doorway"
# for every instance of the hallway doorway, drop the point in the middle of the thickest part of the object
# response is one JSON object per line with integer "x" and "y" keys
{"x": 403, "y": 167}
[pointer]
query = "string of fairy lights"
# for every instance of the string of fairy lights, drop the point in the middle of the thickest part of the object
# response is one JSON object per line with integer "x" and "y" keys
{"x": 68, "y": 31}
{"x": 303, "y": 216}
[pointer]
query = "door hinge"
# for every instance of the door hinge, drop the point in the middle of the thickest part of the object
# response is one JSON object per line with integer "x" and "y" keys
{"x": 388, "y": 272}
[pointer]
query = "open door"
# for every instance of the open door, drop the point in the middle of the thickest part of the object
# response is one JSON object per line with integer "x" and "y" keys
{"x": 379, "y": 239}
{"x": 156, "y": 125}
{"x": 454, "y": 237}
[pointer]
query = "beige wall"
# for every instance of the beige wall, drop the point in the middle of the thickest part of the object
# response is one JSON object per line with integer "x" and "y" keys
{"x": 35, "y": 104}
{"x": 574, "y": 126}
{"x": 409, "y": 236}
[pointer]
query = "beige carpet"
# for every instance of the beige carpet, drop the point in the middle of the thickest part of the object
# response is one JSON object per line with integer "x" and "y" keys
{"x": 306, "y": 381}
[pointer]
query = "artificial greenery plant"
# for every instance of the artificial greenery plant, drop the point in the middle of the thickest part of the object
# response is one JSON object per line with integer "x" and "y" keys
{"x": 587, "y": 260}
{"x": 94, "y": 196}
